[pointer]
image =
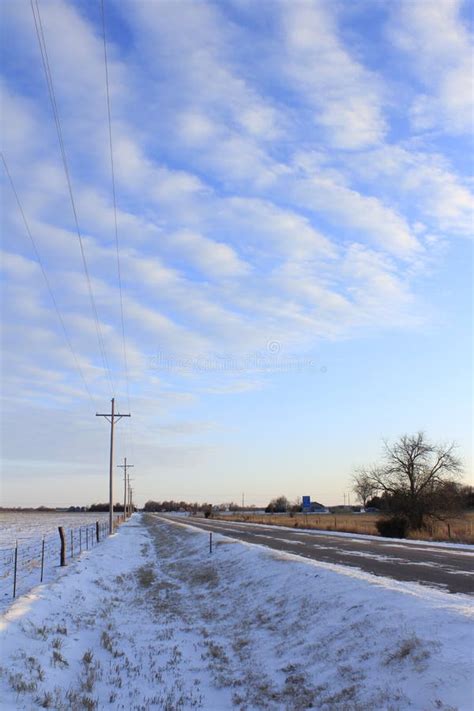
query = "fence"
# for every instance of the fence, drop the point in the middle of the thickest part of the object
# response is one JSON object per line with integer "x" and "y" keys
{"x": 35, "y": 561}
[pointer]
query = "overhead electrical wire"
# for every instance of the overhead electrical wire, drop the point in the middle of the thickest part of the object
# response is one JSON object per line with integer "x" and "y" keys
{"x": 46, "y": 279}
{"x": 114, "y": 200}
{"x": 49, "y": 81}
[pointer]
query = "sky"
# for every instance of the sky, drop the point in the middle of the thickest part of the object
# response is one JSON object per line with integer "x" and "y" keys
{"x": 293, "y": 221}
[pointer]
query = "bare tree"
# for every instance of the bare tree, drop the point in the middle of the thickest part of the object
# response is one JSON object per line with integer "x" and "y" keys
{"x": 415, "y": 473}
{"x": 278, "y": 505}
{"x": 363, "y": 485}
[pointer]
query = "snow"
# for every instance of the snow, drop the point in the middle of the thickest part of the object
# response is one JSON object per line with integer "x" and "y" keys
{"x": 150, "y": 619}
{"x": 29, "y": 526}
{"x": 38, "y": 548}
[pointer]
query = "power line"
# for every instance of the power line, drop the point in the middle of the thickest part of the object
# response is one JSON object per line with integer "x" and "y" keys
{"x": 112, "y": 168}
{"x": 45, "y": 276}
{"x": 114, "y": 198}
{"x": 52, "y": 96}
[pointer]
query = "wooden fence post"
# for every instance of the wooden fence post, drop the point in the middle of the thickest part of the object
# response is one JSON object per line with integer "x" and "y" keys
{"x": 62, "y": 536}
{"x": 42, "y": 561}
{"x": 15, "y": 569}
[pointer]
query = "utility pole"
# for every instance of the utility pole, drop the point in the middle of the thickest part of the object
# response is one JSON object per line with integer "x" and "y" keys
{"x": 243, "y": 499}
{"x": 125, "y": 466}
{"x": 129, "y": 493}
{"x": 112, "y": 418}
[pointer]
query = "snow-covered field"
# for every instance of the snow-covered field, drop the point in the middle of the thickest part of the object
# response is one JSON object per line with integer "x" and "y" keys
{"x": 27, "y": 526}
{"x": 36, "y": 539}
{"x": 151, "y": 620}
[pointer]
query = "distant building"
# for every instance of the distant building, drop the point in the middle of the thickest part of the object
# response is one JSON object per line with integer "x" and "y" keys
{"x": 316, "y": 507}
{"x": 309, "y": 506}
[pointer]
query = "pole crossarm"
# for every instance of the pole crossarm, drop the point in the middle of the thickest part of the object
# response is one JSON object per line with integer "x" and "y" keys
{"x": 117, "y": 417}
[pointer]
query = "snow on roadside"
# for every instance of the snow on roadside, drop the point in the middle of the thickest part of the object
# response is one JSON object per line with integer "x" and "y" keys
{"x": 92, "y": 639}
{"x": 152, "y": 620}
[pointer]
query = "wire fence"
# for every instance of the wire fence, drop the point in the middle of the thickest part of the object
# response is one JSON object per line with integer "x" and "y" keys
{"x": 32, "y": 562}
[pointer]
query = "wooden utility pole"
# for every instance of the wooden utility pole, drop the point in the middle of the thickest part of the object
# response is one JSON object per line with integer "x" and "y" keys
{"x": 129, "y": 489}
{"x": 125, "y": 466}
{"x": 112, "y": 418}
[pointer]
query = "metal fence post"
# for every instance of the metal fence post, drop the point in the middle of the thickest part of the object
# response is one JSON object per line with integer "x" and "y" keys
{"x": 80, "y": 540}
{"x": 42, "y": 561}
{"x": 87, "y": 538}
{"x": 210, "y": 542}
{"x": 97, "y": 529}
{"x": 72, "y": 543}
{"x": 15, "y": 569}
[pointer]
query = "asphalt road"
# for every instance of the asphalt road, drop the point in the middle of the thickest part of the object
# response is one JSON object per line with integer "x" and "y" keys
{"x": 449, "y": 569}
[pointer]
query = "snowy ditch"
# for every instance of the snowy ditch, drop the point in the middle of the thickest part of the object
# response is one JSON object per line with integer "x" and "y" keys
{"x": 151, "y": 620}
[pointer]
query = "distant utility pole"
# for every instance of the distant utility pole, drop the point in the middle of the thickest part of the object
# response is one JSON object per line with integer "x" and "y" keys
{"x": 125, "y": 466}
{"x": 113, "y": 417}
{"x": 243, "y": 499}
{"x": 129, "y": 491}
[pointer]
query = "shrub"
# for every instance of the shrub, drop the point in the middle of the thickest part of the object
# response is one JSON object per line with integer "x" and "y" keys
{"x": 395, "y": 527}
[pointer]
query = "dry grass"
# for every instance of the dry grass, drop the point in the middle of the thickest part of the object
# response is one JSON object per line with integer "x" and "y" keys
{"x": 146, "y": 575}
{"x": 460, "y": 529}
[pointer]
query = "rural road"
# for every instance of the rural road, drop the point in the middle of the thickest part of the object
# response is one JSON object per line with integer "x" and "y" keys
{"x": 448, "y": 569}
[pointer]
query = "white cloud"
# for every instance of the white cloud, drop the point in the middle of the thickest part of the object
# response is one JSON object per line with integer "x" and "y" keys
{"x": 17, "y": 266}
{"x": 439, "y": 49}
{"x": 267, "y": 228}
{"x": 442, "y": 199}
{"x": 17, "y": 120}
{"x": 319, "y": 191}
{"x": 215, "y": 259}
{"x": 345, "y": 96}
{"x": 207, "y": 76}
{"x": 378, "y": 291}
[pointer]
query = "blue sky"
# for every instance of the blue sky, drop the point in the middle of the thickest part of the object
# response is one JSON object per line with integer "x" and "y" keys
{"x": 294, "y": 218}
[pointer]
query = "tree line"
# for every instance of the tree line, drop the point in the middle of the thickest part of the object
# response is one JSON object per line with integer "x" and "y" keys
{"x": 168, "y": 506}
{"x": 99, "y": 508}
